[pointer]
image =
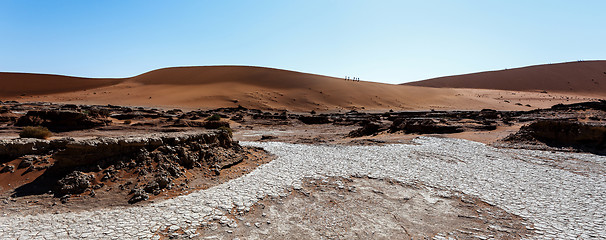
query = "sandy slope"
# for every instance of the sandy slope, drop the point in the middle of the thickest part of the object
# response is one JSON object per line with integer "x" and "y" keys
{"x": 578, "y": 77}
{"x": 262, "y": 88}
{"x": 15, "y": 84}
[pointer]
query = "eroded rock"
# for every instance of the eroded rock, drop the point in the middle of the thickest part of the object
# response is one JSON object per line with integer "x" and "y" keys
{"x": 366, "y": 130}
{"x": 60, "y": 121}
{"x": 138, "y": 196}
{"x": 422, "y": 126}
{"x": 562, "y": 133}
{"x": 315, "y": 119}
{"x": 74, "y": 183}
{"x": 26, "y": 162}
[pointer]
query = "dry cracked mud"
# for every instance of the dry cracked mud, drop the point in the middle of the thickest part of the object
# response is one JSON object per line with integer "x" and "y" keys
{"x": 549, "y": 201}
{"x": 363, "y": 208}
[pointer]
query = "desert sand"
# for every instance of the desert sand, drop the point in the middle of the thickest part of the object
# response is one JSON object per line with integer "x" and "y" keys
{"x": 15, "y": 84}
{"x": 119, "y": 151}
{"x": 577, "y": 77}
{"x": 273, "y": 89}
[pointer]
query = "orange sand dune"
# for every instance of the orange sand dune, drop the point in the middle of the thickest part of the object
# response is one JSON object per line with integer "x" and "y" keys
{"x": 259, "y": 76}
{"x": 577, "y": 77}
{"x": 15, "y": 84}
{"x": 263, "y": 88}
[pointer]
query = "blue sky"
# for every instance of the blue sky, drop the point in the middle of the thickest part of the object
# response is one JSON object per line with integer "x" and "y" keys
{"x": 383, "y": 41}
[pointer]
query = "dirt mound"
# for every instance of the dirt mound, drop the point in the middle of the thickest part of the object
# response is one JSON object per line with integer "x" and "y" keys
{"x": 586, "y": 76}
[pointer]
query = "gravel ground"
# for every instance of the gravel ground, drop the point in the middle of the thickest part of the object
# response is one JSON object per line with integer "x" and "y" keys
{"x": 552, "y": 190}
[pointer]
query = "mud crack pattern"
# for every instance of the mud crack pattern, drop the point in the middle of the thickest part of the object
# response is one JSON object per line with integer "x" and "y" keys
{"x": 561, "y": 204}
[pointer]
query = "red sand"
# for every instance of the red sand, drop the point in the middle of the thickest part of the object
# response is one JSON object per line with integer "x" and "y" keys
{"x": 575, "y": 77}
{"x": 15, "y": 84}
{"x": 275, "y": 89}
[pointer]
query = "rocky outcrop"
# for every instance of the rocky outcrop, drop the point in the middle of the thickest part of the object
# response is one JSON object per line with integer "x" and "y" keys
{"x": 559, "y": 133}
{"x": 367, "y": 130}
{"x": 315, "y": 119}
{"x": 596, "y": 105}
{"x": 60, "y": 121}
{"x": 14, "y": 148}
{"x": 422, "y": 126}
{"x": 153, "y": 161}
{"x": 488, "y": 114}
{"x": 27, "y": 162}
{"x": 205, "y": 124}
{"x": 92, "y": 151}
{"x": 7, "y": 168}
{"x": 6, "y": 116}
{"x": 135, "y": 115}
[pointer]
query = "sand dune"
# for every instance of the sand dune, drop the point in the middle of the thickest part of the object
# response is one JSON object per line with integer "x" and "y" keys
{"x": 15, "y": 84}
{"x": 577, "y": 77}
{"x": 261, "y": 88}
{"x": 258, "y": 76}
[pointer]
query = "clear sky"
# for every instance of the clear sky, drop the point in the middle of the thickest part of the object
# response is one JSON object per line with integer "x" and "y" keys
{"x": 383, "y": 41}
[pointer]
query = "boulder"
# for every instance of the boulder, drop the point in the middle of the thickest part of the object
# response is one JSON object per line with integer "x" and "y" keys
{"x": 74, "y": 183}
{"x": 160, "y": 182}
{"x": 138, "y": 196}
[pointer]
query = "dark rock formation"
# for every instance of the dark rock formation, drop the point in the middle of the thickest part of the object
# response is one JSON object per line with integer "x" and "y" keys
{"x": 161, "y": 181}
{"x": 315, "y": 119}
{"x": 422, "y": 126}
{"x": 215, "y": 124}
{"x": 90, "y": 152}
{"x": 268, "y": 137}
{"x": 489, "y": 114}
{"x": 7, "y": 168}
{"x": 138, "y": 196}
{"x": 205, "y": 124}
{"x": 561, "y": 133}
{"x": 596, "y": 105}
{"x": 366, "y": 130}
{"x": 136, "y": 115}
{"x": 155, "y": 160}
{"x": 74, "y": 183}
{"x": 26, "y": 162}
{"x": 60, "y": 121}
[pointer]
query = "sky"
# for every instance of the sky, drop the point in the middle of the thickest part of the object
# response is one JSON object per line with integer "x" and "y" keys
{"x": 382, "y": 41}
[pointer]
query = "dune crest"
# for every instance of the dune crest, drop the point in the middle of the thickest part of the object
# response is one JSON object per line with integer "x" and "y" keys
{"x": 579, "y": 77}
{"x": 15, "y": 84}
{"x": 259, "y": 76}
{"x": 272, "y": 89}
